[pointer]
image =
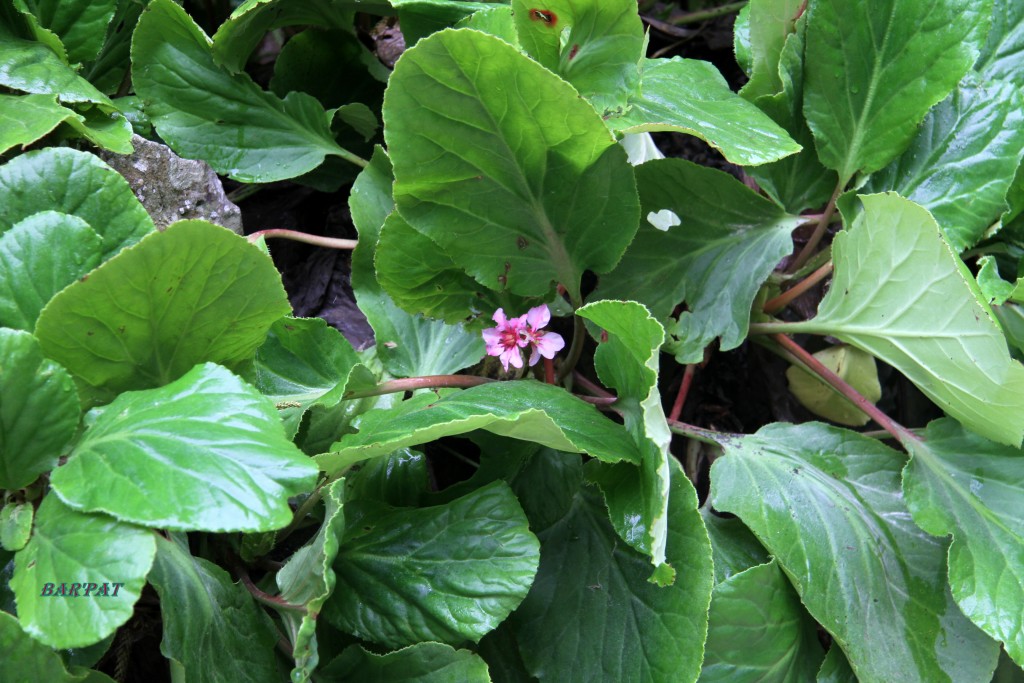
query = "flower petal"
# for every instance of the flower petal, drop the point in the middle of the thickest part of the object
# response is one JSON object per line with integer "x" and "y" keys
{"x": 538, "y": 317}
{"x": 499, "y": 317}
{"x": 548, "y": 344}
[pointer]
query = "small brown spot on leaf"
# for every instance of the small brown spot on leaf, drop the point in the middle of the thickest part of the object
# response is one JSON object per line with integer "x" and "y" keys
{"x": 521, "y": 242}
{"x": 573, "y": 52}
{"x": 543, "y": 15}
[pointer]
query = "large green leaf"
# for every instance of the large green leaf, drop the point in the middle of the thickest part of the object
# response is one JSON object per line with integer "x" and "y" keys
{"x": 26, "y": 118}
{"x": 205, "y": 112}
{"x": 759, "y": 631}
{"x": 205, "y": 452}
{"x": 594, "y": 44}
{"x": 627, "y": 362}
{"x": 38, "y": 410}
{"x": 770, "y": 24}
{"x": 39, "y": 256}
{"x": 961, "y": 484}
{"x": 193, "y": 293}
{"x": 1000, "y": 57}
{"x": 691, "y": 96}
{"x": 307, "y": 580}
{"x": 211, "y": 626}
{"x": 305, "y": 363}
{"x": 448, "y": 573}
{"x": 524, "y": 410}
{"x": 501, "y": 163}
{"x": 592, "y": 614}
{"x": 26, "y": 659}
{"x": 874, "y": 68}
{"x": 734, "y": 548}
{"x": 963, "y": 159}
{"x": 420, "y": 18}
{"x": 727, "y": 244}
{"x": 80, "y": 24}
{"x": 902, "y": 295}
{"x": 408, "y": 345}
{"x": 799, "y": 181}
{"x": 827, "y": 504}
{"x": 420, "y": 663}
{"x": 78, "y": 578}
{"x": 76, "y": 183}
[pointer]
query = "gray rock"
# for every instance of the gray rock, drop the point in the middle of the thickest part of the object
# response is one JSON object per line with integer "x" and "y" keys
{"x": 172, "y": 188}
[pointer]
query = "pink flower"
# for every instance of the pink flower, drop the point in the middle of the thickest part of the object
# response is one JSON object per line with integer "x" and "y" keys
{"x": 513, "y": 334}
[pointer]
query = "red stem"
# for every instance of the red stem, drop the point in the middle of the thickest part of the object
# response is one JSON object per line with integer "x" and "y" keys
{"x": 819, "y": 231}
{"x": 549, "y": 371}
{"x": 684, "y": 389}
{"x": 848, "y": 392}
{"x": 787, "y": 297}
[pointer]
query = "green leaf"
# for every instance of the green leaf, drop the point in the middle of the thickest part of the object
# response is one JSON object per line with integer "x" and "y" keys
{"x": 420, "y": 663}
{"x": 447, "y": 573}
{"x": 205, "y": 452}
{"x": 691, "y": 96}
{"x": 734, "y": 548}
{"x": 80, "y": 24}
{"x": 26, "y": 659}
{"x": 963, "y": 159}
{"x": 307, "y": 579}
{"x": 850, "y": 364}
{"x": 39, "y": 256}
{"x": 501, "y": 163}
{"x": 873, "y": 69}
{"x": 75, "y": 183}
{"x": 727, "y": 244}
{"x": 421, "y": 277}
{"x": 960, "y": 484}
{"x": 836, "y": 668}
{"x": 893, "y": 273}
{"x": 333, "y": 66}
{"x": 107, "y": 560}
{"x": 595, "y": 45}
{"x": 16, "y": 525}
{"x": 419, "y": 18}
{"x": 239, "y": 35}
{"x": 627, "y": 362}
{"x": 799, "y": 181}
{"x": 305, "y": 363}
{"x": 497, "y": 21}
{"x": 759, "y": 631}
{"x": 526, "y": 410}
{"x": 408, "y": 345}
{"x": 1000, "y": 57}
{"x": 38, "y": 410}
{"x": 592, "y": 614}
{"x": 399, "y": 479}
{"x": 208, "y": 619}
{"x": 193, "y": 293}
{"x": 770, "y": 24}
{"x": 26, "y": 118}
{"x": 994, "y": 288}
{"x": 826, "y": 504}
{"x": 204, "y": 112}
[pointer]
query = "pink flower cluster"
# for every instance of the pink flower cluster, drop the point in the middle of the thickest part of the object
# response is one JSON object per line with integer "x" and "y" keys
{"x": 507, "y": 340}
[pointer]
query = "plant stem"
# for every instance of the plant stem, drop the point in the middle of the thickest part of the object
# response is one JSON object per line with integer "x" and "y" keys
{"x": 265, "y": 598}
{"x": 426, "y": 382}
{"x": 699, "y": 433}
{"x": 302, "y": 511}
{"x": 352, "y": 158}
{"x": 784, "y": 299}
{"x": 710, "y": 13}
{"x": 684, "y": 389}
{"x": 848, "y": 392}
{"x": 318, "y": 240}
{"x": 245, "y": 191}
{"x": 549, "y": 371}
{"x": 819, "y": 230}
{"x": 593, "y": 388}
{"x": 579, "y": 333}
{"x": 776, "y": 327}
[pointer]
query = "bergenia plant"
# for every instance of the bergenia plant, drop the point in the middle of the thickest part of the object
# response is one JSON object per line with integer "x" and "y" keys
{"x": 779, "y": 441}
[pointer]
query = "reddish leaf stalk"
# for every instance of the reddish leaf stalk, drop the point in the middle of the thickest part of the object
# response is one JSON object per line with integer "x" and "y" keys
{"x": 684, "y": 389}
{"x": 782, "y": 300}
{"x": 426, "y": 382}
{"x": 844, "y": 389}
{"x": 819, "y": 231}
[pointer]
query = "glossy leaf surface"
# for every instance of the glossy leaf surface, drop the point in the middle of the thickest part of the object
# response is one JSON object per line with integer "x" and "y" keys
{"x": 448, "y": 573}
{"x": 961, "y": 484}
{"x": 420, "y": 663}
{"x": 81, "y": 25}
{"x": 503, "y": 165}
{"x": 205, "y": 452}
{"x": 525, "y": 410}
{"x": 38, "y": 410}
{"x": 873, "y": 69}
{"x": 826, "y": 503}
{"x": 635, "y": 630}
{"x": 1000, "y": 57}
{"x": 691, "y": 96}
{"x": 76, "y": 183}
{"x": 190, "y": 294}
{"x": 72, "y": 553}
{"x": 727, "y": 243}
{"x": 902, "y": 295}
{"x": 205, "y": 112}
